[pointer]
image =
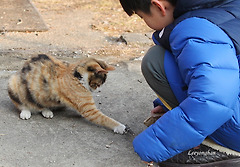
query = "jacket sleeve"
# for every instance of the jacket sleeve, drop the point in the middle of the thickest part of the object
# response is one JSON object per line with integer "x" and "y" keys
{"x": 208, "y": 65}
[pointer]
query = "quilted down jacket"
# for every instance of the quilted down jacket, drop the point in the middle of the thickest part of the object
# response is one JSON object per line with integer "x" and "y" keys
{"x": 203, "y": 47}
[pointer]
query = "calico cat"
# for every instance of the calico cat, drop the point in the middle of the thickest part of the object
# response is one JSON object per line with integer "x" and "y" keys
{"x": 45, "y": 82}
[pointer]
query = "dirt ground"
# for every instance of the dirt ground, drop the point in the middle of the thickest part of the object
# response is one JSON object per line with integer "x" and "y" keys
{"x": 83, "y": 28}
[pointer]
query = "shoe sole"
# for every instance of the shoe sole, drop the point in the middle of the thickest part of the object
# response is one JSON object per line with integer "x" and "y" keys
{"x": 224, "y": 163}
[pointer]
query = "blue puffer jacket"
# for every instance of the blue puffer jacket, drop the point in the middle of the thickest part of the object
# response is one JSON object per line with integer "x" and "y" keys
{"x": 203, "y": 56}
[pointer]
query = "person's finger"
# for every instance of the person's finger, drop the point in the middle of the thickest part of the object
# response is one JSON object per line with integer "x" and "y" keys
{"x": 157, "y": 111}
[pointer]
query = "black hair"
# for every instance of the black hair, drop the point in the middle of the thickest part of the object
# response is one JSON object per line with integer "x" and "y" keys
{"x": 131, "y": 6}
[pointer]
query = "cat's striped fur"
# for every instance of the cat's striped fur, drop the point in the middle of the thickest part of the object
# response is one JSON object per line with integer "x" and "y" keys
{"x": 45, "y": 82}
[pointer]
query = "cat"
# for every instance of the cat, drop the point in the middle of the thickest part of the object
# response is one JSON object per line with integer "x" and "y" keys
{"x": 45, "y": 82}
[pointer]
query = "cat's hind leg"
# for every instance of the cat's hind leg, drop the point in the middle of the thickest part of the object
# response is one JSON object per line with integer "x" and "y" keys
{"x": 47, "y": 113}
{"x": 25, "y": 114}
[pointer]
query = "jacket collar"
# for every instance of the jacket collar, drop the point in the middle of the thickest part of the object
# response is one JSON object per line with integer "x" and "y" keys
{"x": 184, "y": 6}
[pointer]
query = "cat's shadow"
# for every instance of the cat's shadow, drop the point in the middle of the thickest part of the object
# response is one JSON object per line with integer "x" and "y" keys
{"x": 65, "y": 112}
{"x": 60, "y": 112}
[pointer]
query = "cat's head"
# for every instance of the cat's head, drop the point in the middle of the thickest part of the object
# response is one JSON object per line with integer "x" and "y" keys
{"x": 92, "y": 73}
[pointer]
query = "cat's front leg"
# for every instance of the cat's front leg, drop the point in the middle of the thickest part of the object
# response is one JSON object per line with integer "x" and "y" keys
{"x": 97, "y": 117}
{"x": 120, "y": 129}
{"x": 86, "y": 107}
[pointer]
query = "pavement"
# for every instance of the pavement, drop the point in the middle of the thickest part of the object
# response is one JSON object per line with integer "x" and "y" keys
{"x": 68, "y": 139}
{"x": 20, "y": 15}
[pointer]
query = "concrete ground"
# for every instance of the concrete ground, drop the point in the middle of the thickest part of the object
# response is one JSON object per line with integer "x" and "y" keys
{"x": 67, "y": 139}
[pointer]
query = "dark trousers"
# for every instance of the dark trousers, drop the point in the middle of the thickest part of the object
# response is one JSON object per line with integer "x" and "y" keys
{"x": 154, "y": 73}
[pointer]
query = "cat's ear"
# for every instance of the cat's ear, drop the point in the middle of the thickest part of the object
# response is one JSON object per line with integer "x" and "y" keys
{"x": 101, "y": 70}
{"x": 110, "y": 68}
{"x": 107, "y": 68}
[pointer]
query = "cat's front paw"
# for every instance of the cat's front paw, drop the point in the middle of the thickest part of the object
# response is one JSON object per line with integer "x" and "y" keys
{"x": 120, "y": 129}
{"x": 47, "y": 113}
{"x": 25, "y": 114}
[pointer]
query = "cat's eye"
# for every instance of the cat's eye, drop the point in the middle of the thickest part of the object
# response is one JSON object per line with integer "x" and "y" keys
{"x": 91, "y": 69}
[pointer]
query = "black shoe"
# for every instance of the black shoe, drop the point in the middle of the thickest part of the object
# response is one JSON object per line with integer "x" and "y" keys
{"x": 202, "y": 156}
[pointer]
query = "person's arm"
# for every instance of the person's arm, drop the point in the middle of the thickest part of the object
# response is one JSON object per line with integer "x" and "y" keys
{"x": 208, "y": 65}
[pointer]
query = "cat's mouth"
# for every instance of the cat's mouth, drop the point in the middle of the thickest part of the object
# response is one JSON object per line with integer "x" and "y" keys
{"x": 93, "y": 87}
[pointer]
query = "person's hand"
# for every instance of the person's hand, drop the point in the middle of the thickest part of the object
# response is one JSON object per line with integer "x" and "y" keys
{"x": 157, "y": 111}
{"x": 149, "y": 164}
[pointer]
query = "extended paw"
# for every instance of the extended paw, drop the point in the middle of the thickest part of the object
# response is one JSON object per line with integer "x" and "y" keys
{"x": 25, "y": 114}
{"x": 120, "y": 129}
{"x": 47, "y": 113}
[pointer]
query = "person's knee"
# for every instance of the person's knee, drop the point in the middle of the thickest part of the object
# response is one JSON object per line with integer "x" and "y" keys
{"x": 153, "y": 59}
{"x": 154, "y": 72}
